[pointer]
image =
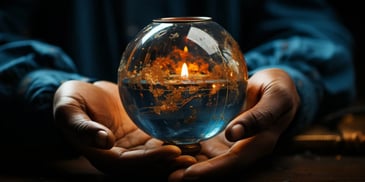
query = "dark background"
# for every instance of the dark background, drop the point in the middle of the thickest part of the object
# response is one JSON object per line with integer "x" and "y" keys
{"x": 352, "y": 13}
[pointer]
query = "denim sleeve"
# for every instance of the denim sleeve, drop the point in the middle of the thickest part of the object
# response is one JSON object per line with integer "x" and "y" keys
{"x": 314, "y": 48}
{"x": 29, "y": 68}
{"x": 30, "y": 73}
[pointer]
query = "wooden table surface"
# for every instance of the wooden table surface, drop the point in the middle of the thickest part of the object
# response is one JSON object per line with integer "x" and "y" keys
{"x": 304, "y": 166}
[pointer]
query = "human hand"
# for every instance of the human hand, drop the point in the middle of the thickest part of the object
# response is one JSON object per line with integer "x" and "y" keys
{"x": 93, "y": 119}
{"x": 272, "y": 102}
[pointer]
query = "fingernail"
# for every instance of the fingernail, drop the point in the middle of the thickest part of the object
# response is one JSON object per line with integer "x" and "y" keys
{"x": 101, "y": 138}
{"x": 238, "y": 132}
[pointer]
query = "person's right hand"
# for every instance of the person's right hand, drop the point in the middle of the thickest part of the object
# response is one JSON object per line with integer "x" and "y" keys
{"x": 93, "y": 119}
{"x": 272, "y": 103}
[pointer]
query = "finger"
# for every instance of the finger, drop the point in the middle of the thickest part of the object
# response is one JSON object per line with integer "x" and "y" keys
{"x": 230, "y": 164}
{"x": 81, "y": 130}
{"x": 177, "y": 175}
{"x": 121, "y": 161}
{"x": 138, "y": 155}
{"x": 214, "y": 147}
{"x": 274, "y": 106}
{"x": 261, "y": 117}
{"x": 75, "y": 123}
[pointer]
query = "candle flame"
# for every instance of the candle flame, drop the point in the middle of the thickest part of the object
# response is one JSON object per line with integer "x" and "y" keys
{"x": 184, "y": 71}
{"x": 186, "y": 49}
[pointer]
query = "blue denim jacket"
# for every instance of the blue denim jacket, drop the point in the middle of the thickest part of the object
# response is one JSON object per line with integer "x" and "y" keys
{"x": 42, "y": 45}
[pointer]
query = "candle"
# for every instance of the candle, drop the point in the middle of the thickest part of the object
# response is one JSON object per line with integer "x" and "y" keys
{"x": 184, "y": 71}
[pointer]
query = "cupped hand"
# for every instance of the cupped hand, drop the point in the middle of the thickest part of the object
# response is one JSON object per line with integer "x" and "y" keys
{"x": 272, "y": 102}
{"x": 93, "y": 119}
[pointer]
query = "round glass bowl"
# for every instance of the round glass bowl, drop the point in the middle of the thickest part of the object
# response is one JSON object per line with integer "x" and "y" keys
{"x": 182, "y": 80}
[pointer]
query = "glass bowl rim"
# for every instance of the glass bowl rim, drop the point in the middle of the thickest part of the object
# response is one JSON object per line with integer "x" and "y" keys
{"x": 183, "y": 19}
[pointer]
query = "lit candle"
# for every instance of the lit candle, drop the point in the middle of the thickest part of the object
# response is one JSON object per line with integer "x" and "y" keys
{"x": 184, "y": 71}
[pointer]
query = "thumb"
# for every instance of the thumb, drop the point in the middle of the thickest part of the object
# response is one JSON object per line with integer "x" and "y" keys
{"x": 70, "y": 116}
{"x": 271, "y": 112}
{"x": 275, "y": 101}
{"x": 247, "y": 124}
{"x": 82, "y": 131}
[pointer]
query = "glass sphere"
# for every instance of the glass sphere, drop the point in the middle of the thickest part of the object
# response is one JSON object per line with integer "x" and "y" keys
{"x": 182, "y": 79}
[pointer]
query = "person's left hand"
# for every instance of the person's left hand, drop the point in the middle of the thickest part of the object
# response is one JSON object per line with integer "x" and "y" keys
{"x": 272, "y": 102}
{"x": 93, "y": 119}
